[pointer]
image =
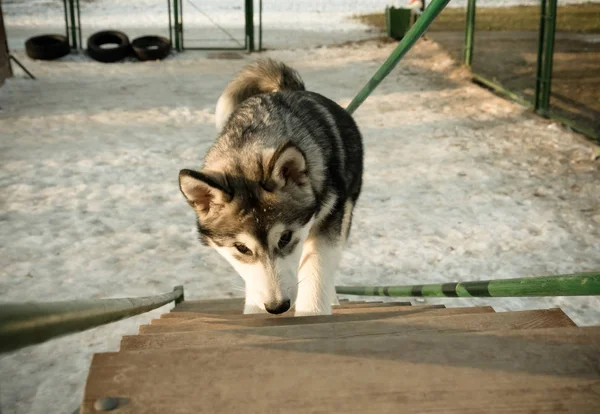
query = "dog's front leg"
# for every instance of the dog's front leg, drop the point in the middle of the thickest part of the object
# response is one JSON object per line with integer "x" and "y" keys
{"x": 316, "y": 286}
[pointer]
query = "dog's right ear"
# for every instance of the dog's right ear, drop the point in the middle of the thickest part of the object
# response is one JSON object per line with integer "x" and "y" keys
{"x": 204, "y": 190}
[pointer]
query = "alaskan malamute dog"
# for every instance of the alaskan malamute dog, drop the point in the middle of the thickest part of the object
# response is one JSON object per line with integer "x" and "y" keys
{"x": 277, "y": 189}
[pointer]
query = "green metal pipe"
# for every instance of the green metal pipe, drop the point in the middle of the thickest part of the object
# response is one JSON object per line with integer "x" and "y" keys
{"x": 23, "y": 324}
{"x": 73, "y": 24}
{"x": 176, "y": 24}
{"x": 549, "y": 36}
{"x": 181, "y": 24}
{"x": 260, "y": 8}
{"x": 249, "y": 10}
{"x": 407, "y": 42}
{"x": 66, "y": 18}
{"x": 79, "y": 24}
{"x": 170, "y": 24}
{"x": 470, "y": 32}
{"x": 540, "y": 55}
{"x": 501, "y": 90}
{"x": 578, "y": 284}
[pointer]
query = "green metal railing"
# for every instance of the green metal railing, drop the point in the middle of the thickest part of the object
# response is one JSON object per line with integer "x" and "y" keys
{"x": 23, "y": 324}
{"x": 578, "y": 284}
{"x": 407, "y": 42}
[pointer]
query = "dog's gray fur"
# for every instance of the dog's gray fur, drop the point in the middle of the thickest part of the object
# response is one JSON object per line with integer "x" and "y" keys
{"x": 285, "y": 160}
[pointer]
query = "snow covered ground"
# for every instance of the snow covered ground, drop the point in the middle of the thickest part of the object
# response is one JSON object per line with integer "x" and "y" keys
{"x": 459, "y": 185}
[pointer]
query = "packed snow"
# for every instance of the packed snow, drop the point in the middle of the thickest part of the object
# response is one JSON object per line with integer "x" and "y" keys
{"x": 459, "y": 185}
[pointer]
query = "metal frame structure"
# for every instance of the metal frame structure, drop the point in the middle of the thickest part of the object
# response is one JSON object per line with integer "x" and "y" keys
{"x": 176, "y": 28}
{"x": 545, "y": 55}
{"x": 73, "y": 23}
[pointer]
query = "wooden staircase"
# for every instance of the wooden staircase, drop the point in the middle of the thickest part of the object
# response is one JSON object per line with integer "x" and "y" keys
{"x": 205, "y": 357}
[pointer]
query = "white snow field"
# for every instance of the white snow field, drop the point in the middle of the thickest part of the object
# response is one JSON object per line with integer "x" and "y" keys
{"x": 459, "y": 185}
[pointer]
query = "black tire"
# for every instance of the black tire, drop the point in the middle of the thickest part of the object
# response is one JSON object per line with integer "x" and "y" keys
{"x": 109, "y": 55}
{"x": 47, "y": 47}
{"x": 151, "y": 47}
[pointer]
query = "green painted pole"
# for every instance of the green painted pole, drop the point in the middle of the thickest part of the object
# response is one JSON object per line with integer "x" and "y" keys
{"x": 546, "y": 83}
{"x": 422, "y": 23}
{"x": 170, "y": 24}
{"x": 540, "y": 56}
{"x": 470, "y": 32}
{"x": 176, "y": 24}
{"x": 73, "y": 24}
{"x": 79, "y": 24}
{"x": 260, "y": 8}
{"x": 66, "y": 18}
{"x": 578, "y": 284}
{"x": 23, "y": 324}
{"x": 181, "y": 24}
{"x": 249, "y": 9}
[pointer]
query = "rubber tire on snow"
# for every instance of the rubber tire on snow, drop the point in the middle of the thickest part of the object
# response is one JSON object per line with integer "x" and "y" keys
{"x": 47, "y": 47}
{"x": 96, "y": 52}
{"x": 151, "y": 47}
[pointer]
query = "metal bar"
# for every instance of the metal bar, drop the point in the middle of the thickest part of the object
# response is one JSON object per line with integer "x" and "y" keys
{"x": 249, "y": 9}
{"x": 434, "y": 8}
{"x": 181, "y": 23}
{"x": 215, "y": 48}
{"x": 66, "y": 18}
{"x": 176, "y": 24}
{"x": 73, "y": 24}
{"x": 496, "y": 87}
{"x": 79, "y": 24}
{"x": 19, "y": 64}
{"x": 170, "y": 24}
{"x": 540, "y": 55}
{"x": 23, "y": 324}
{"x": 588, "y": 132}
{"x": 470, "y": 32}
{"x": 260, "y": 32}
{"x": 549, "y": 35}
{"x": 578, "y": 284}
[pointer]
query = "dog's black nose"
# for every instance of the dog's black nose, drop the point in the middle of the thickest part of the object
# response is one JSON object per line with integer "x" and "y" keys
{"x": 277, "y": 308}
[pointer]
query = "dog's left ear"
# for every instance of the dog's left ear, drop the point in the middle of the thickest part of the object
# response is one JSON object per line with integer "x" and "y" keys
{"x": 204, "y": 190}
{"x": 288, "y": 166}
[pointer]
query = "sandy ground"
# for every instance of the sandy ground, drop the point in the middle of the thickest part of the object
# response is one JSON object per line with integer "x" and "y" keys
{"x": 459, "y": 184}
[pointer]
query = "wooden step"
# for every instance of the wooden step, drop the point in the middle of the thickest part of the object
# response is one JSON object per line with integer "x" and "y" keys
{"x": 517, "y": 371}
{"x": 188, "y": 316}
{"x": 398, "y": 325}
{"x": 236, "y": 306}
{"x": 200, "y": 324}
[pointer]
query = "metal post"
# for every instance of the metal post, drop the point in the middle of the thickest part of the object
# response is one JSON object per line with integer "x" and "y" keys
{"x": 577, "y": 284}
{"x": 79, "y": 24}
{"x": 170, "y": 25}
{"x": 176, "y": 24}
{"x": 260, "y": 25}
{"x": 470, "y": 32}
{"x": 181, "y": 23}
{"x": 549, "y": 35}
{"x": 249, "y": 9}
{"x": 540, "y": 55}
{"x": 73, "y": 24}
{"x": 434, "y": 8}
{"x": 66, "y": 18}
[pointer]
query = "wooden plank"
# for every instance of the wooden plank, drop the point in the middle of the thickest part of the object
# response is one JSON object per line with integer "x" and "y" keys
{"x": 217, "y": 324}
{"x": 395, "y": 326}
{"x": 189, "y": 316}
{"x": 524, "y": 371}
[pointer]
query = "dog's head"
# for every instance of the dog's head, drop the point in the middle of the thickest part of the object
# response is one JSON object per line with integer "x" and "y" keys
{"x": 256, "y": 213}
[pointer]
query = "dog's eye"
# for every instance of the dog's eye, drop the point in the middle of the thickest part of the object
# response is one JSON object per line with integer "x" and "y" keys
{"x": 242, "y": 249}
{"x": 285, "y": 238}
